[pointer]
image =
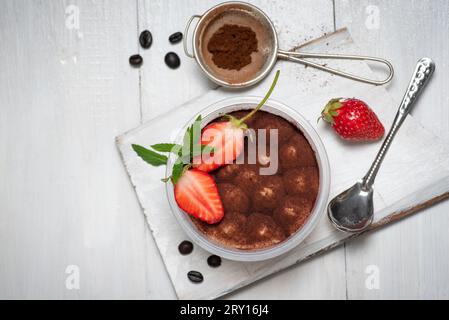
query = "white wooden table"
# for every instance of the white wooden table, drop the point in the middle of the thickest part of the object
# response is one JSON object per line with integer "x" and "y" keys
{"x": 66, "y": 90}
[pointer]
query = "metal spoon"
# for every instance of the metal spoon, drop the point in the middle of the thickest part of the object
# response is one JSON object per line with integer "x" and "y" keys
{"x": 352, "y": 210}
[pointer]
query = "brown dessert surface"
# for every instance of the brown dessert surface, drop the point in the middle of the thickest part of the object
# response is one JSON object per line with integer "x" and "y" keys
{"x": 231, "y": 46}
{"x": 264, "y": 210}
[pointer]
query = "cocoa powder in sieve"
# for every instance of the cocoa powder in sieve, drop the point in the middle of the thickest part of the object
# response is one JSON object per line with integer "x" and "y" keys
{"x": 231, "y": 46}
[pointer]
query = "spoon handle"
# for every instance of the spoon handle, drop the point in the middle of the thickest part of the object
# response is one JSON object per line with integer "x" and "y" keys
{"x": 423, "y": 72}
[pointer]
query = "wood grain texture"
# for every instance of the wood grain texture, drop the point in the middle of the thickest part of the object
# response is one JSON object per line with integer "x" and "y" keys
{"x": 64, "y": 196}
{"x": 412, "y": 257}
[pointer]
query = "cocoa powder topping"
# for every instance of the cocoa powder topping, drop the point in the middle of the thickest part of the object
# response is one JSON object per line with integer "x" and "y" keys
{"x": 231, "y": 46}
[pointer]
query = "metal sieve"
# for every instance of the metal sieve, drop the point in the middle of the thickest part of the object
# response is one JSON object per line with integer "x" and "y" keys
{"x": 227, "y": 106}
{"x": 268, "y": 53}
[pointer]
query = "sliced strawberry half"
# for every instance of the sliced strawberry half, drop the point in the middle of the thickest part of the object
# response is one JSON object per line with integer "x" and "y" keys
{"x": 227, "y": 138}
{"x": 196, "y": 193}
{"x": 227, "y": 141}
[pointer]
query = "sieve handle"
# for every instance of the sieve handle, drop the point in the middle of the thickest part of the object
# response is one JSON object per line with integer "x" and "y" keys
{"x": 299, "y": 57}
{"x": 186, "y": 33}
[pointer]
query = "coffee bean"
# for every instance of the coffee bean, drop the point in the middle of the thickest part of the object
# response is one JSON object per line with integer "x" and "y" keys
{"x": 185, "y": 248}
{"x": 195, "y": 276}
{"x": 214, "y": 261}
{"x": 172, "y": 60}
{"x": 175, "y": 37}
{"x": 146, "y": 39}
{"x": 136, "y": 60}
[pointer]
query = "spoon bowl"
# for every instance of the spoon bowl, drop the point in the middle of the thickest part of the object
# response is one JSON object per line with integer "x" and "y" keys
{"x": 352, "y": 210}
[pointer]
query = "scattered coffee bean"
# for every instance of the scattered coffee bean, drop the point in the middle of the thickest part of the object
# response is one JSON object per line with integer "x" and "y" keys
{"x": 172, "y": 60}
{"x": 136, "y": 60}
{"x": 214, "y": 261}
{"x": 185, "y": 248}
{"x": 146, "y": 39}
{"x": 175, "y": 37}
{"x": 195, "y": 276}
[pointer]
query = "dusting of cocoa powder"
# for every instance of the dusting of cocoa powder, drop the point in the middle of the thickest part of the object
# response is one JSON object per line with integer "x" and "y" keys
{"x": 231, "y": 46}
{"x": 262, "y": 211}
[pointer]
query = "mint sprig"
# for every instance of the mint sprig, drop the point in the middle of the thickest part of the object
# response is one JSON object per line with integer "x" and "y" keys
{"x": 190, "y": 148}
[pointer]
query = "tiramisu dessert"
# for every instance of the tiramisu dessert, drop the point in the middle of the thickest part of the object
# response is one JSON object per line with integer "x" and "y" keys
{"x": 263, "y": 210}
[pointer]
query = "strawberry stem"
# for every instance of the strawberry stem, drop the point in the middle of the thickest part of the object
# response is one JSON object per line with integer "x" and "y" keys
{"x": 331, "y": 110}
{"x": 267, "y": 96}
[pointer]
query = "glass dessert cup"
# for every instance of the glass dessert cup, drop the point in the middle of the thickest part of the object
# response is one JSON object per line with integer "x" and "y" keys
{"x": 229, "y": 105}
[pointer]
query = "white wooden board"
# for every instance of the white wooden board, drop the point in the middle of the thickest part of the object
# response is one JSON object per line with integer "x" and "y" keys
{"x": 415, "y": 171}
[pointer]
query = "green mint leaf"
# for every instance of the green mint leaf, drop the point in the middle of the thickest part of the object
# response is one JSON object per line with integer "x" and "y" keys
{"x": 196, "y": 131}
{"x": 150, "y": 157}
{"x": 187, "y": 140}
{"x": 196, "y": 138}
{"x": 186, "y": 159}
{"x": 191, "y": 141}
{"x": 167, "y": 147}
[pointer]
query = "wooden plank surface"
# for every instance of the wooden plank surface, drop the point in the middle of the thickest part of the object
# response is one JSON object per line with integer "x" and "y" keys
{"x": 412, "y": 256}
{"x": 64, "y": 196}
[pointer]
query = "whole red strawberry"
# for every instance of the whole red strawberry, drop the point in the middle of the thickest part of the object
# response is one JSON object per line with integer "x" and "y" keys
{"x": 227, "y": 138}
{"x": 353, "y": 120}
